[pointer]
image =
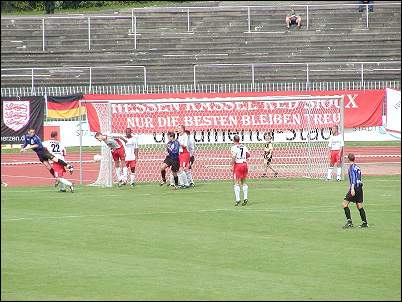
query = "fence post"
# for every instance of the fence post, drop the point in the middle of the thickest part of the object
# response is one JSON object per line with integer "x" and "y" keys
{"x": 362, "y": 74}
{"x": 32, "y": 80}
{"x": 188, "y": 20}
{"x": 307, "y": 17}
{"x": 43, "y": 34}
{"x": 132, "y": 20}
{"x": 135, "y": 32}
{"x": 89, "y": 33}
{"x": 307, "y": 75}
{"x": 194, "y": 81}
{"x": 248, "y": 19}
{"x": 80, "y": 129}
{"x": 145, "y": 76}
{"x": 367, "y": 15}
{"x": 90, "y": 79}
{"x": 252, "y": 75}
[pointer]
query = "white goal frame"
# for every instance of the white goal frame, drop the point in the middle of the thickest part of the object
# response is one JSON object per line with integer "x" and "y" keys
{"x": 105, "y": 177}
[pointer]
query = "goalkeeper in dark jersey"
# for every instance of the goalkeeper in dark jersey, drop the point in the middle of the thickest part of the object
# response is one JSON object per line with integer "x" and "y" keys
{"x": 268, "y": 151}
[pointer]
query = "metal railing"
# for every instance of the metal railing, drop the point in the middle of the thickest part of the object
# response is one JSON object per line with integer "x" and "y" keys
{"x": 190, "y": 11}
{"x": 306, "y": 67}
{"x": 210, "y": 87}
{"x": 88, "y": 69}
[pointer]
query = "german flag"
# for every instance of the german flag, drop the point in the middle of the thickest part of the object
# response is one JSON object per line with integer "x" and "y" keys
{"x": 63, "y": 107}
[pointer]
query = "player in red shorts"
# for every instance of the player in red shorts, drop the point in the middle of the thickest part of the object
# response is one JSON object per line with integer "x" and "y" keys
{"x": 184, "y": 156}
{"x": 114, "y": 142}
{"x": 336, "y": 145}
{"x": 131, "y": 149}
{"x": 56, "y": 148}
{"x": 240, "y": 154}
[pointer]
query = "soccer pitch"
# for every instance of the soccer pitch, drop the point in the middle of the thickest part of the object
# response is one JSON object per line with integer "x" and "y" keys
{"x": 154, "y": 243}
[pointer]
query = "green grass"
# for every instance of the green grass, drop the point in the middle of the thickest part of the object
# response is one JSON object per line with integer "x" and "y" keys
{"x": 99, "y": 9}
{"x": 152, "y": 243}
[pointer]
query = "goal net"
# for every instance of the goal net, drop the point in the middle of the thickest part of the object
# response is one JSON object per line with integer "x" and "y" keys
{"x": 299, "y": 126}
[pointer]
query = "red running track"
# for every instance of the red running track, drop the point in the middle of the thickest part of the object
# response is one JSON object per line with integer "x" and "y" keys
{"x": 374, "y": 161}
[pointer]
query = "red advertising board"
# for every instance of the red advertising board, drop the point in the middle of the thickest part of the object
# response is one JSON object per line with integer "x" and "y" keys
{"x": 363, "y": 108}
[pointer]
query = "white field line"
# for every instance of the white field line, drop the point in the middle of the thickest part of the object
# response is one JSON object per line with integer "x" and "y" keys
{"x": 324, "y": 209}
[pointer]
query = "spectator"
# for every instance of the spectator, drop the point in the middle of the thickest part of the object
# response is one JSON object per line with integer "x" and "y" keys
{"x": 293, "y": 19}
{"x": 49, "y": 6}
{"x": 363, "y": 5}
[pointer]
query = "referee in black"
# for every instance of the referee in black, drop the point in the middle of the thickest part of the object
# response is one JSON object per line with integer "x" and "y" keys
{"x": 355, "y": 194}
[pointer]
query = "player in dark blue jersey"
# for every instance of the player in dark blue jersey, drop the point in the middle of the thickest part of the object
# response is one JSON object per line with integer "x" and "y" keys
{"x": 355, "y": 193}
{"x": 32, "y": 141}
{"x": 171, "y": 160}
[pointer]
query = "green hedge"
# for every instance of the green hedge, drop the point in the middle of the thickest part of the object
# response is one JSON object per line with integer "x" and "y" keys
{"x": 18, "y": 6}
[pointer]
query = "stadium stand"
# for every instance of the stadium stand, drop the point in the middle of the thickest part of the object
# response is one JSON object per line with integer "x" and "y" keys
{"x": 169, "y": 47}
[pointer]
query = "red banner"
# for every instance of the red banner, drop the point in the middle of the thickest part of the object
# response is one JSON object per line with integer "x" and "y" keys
{"x": 363, "y": 108}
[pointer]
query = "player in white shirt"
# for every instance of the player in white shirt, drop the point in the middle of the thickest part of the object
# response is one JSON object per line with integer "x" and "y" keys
{"x": 56, "y": 148}
{"x": 240, "y": 154}
{"x": 131, "y": 148}
{"x": 335, "y": 145}
{"x": 116, "y": 145}
{"x": 184, "y": 157}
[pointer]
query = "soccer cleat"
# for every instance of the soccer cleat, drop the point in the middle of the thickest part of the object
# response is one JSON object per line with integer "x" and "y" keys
{"x": 72, "y": 189}
{"x": 62, "y": 190}
{"x": 184, "y": 187}
{"x": 244, "y": 202}
{"x": 276, "y": 174}
{"x": 132, "y": 184}
{"x": 237, "y": 203}
{"x": 70, "y": 169}
{"x": 364, "y": 225}
{"x": 56, "y": 183}
{"x": 162, "y": 183}
{"x": 348, "y": 225}
{"x": 192, "y": 184}
{"x": 175, "y": 187}
{"x": 120, "y": 183}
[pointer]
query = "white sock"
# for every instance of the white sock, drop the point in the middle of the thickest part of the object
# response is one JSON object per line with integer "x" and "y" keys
{"x": 171, "y": 179}
{"x": 329, "y": 174}
{"x": 124, "y": 176}
{"x": 118, "y": 173}
{"x": 237, "y": 192}
{"x": 184, "y": 179}
{"x": 338, "y": 173}
{"x": 245, "y": 191}
{"x": 132, "y": 178}
{"x": 189, "y": 176}
{"x": 65, "y": 181}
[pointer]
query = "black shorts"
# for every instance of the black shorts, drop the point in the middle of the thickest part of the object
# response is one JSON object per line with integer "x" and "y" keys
{"x": 192, "y": 159}
{"x": 268, "y": 160}
{"x": 44, "y": 155}
{"x": 293, "y": 20}
{"x": 358, "y": 198}
{"x": 173, "y": 163}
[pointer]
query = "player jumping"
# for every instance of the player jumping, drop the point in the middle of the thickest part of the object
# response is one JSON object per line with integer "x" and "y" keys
{"x": 118, "y": 154}
{"x": 171, "y": 160}
{"x": 32, "y": 141}
{"x": 268, "y": 152}
{"x": 336, "y": 145}
{"x": 240, "y": 154}
{"x": 56, "y": 148}
{"x": 131, "y": 154}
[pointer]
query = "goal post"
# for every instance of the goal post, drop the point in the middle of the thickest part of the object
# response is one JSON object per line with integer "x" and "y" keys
{"x": 299, "y": 126}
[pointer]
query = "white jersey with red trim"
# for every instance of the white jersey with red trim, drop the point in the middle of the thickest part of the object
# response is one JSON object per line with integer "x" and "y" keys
{"x": 55, "y": 148}
{"x": 335, "y": 142}
{"x": 183, "y": 141}
{"x": 239, "y": 153}
{"x": 130, "y": 147}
